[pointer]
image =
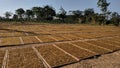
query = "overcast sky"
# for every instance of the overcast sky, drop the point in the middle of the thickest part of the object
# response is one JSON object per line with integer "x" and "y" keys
{"x": 12, "y": 5}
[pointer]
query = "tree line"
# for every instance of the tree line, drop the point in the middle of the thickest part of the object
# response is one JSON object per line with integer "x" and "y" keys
{"x": 48, "y": 14}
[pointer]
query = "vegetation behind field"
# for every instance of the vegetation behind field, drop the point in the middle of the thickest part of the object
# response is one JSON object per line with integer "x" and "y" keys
{"x": 47, "y": 14}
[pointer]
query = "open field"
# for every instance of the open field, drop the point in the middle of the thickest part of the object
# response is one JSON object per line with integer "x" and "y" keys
{"x": 23, "y": 58}
{"x": 55, "y": 45}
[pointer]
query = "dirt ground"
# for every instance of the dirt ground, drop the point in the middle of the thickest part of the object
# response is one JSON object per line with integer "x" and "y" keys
{"x": 111, "y": 60}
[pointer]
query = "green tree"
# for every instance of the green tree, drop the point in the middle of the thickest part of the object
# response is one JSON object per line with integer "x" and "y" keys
{"x": 49, "y": 12}
{"x": 15, "y": 17}
{"x": 62, "y": 14}
{"x": 115, "y": 18}
{"x": 103, "y": 5}
{"x": 8, "y": 14}
{"x": 75, "y": 15}
{"x": 38, "y": 12}
{"x": 29, "y": 14}
{"x": 20, "y": 12}
{"x": 100, "y": 19}
{"x": 89, "y": 15}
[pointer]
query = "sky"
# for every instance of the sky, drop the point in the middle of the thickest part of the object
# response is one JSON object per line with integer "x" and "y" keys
{"x": 12, "y": 5}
